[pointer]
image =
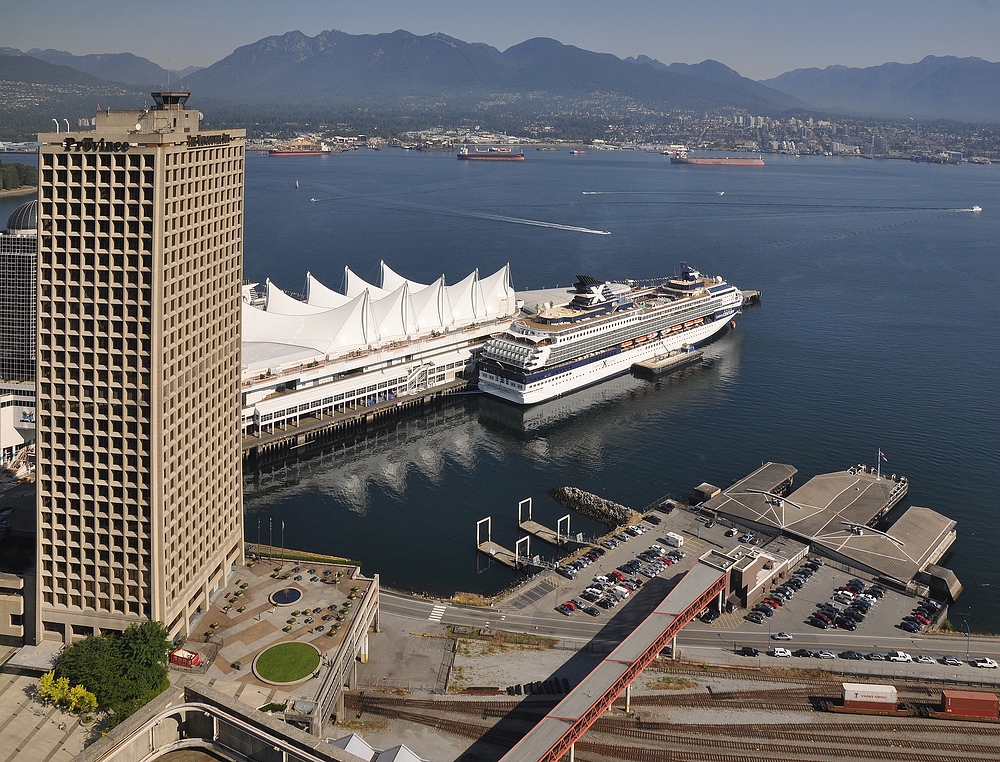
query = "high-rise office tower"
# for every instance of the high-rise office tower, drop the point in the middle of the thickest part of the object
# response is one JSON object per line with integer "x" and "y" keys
{"x": 138, "y": 460}
{"x": 18, "y": 249}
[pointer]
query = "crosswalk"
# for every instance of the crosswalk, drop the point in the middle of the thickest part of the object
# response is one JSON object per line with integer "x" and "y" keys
{"x": 436, "y": 613}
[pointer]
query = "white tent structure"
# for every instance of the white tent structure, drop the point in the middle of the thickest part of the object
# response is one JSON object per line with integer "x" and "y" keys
{"x": 340, "y": 352}
{"x": 365, "y": 316}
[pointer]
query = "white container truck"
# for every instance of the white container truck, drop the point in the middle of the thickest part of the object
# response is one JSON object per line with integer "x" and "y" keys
{"x": 673, "y": 540}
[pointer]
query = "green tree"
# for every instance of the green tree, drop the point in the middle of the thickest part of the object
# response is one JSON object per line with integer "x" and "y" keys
{"x": 144, "y": 650}
{"x": 122, "y": 671}
{"x": 81, "y": 700}
{"x": 47, "y": 686}
{"x": 94, "y": 663}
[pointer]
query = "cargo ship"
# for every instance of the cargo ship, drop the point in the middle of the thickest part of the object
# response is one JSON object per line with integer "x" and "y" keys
{"x": 719, "y": 161}
{"x": 600, "y": 333}
{"x": 301, "y": 150}
{"x": 491, "y": 154}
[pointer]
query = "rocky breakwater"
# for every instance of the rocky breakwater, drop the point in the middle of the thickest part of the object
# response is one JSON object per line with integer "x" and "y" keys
{"x": 594, "y": 507}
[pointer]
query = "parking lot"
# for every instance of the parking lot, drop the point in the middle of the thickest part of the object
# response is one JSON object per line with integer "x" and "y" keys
{"x": 609, "y": 587}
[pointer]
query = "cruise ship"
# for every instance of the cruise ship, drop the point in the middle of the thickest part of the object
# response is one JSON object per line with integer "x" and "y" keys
{"x": 601, "y": 332}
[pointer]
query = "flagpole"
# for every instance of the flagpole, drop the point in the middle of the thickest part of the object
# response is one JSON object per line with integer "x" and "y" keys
{"x": 878, "y": 471}
{"x": 282, "y": 541}
{"x": 270, "y": 538}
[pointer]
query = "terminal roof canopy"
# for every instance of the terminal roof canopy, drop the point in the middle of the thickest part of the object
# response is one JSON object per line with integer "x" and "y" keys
{"x": 328, "y": 323}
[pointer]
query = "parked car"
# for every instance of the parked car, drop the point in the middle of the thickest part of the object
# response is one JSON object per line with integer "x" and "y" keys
{"x": 925, "y": 659}
{"x": 851, "y": 655}
{"x": 910, "y": 627}
{"x": 984, "y": 663}
{"x": 825, "y": 655}
{"x": 779, "y": 651}
{"x": 951, "y": 661}
{"x": 802, "y": 652}
{"x": 749, "y": 651}
{"x": 900, "y": 656}
{"x": 875, "y": 656}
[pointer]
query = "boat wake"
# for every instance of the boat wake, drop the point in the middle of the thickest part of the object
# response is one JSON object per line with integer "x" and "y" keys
{"x": 484, "y": 216}
{"x": 536, "y": 223}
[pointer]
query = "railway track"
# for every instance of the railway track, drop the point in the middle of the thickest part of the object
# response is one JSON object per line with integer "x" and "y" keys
{"x": 716, "y": 743}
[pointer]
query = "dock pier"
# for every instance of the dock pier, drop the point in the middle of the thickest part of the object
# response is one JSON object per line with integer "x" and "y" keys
{"x": 515, "y": 559}
{"x": 556, "y": 537}
{"x": 667, "y": 363}
{"x": 316, "y": 428}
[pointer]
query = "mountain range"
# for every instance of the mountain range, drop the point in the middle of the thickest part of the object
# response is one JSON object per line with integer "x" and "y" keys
{"x": 296, "y": 69}
{"x": 410, "y": 73}
{"x": 121, "y": 68}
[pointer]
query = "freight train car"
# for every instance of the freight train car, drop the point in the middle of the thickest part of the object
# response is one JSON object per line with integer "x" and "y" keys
{"x": 969, "y": 705}
{"x": 863, "y": 698}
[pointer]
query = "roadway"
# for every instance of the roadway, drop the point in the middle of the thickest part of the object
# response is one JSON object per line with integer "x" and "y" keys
{"x": 713, "y": 644}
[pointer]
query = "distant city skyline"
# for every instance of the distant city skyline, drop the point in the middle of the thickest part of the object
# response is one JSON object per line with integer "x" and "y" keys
{"x": 759, "y": 41}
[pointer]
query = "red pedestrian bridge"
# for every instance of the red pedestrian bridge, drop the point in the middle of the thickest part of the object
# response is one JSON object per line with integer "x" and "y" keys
{"x": 556, "y": 733}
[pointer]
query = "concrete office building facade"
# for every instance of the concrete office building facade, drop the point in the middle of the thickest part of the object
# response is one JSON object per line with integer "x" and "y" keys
{"x": 138, "y": 453}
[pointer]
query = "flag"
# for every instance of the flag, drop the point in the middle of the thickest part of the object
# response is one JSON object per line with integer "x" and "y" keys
{"x": 881, "y": 456}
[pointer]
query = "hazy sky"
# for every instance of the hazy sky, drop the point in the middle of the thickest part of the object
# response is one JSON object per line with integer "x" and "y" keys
{"x": 758, "y": 39}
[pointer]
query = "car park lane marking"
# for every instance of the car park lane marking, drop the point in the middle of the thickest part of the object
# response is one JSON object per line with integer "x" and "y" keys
{"x": 436, "y": 613}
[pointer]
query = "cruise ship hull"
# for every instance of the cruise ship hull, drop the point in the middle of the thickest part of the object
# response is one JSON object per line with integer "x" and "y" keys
{"x": 601, "y": 368}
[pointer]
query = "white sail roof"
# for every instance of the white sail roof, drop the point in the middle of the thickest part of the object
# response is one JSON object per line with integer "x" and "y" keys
{"x": 354, "y": 285}
{"x": 331, "y": 323}
{"x": 390, "y": 316}
{"x": 498, "y": 294}
{"x": 328, "y": 331}
{"x": 280, "y": 303}
{"x": 426, "y": 305}
{"x": 323, "y": 296}
{"x": 392, "y": 280}
{"x": 463, "y": 299}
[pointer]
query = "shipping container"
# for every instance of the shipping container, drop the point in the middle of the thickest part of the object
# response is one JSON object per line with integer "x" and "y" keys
{"x": 970, "y": 704}
{"x": 864, "y": 696}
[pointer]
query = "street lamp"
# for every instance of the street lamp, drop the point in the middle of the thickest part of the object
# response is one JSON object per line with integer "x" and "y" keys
{"x": 968, "y": 640}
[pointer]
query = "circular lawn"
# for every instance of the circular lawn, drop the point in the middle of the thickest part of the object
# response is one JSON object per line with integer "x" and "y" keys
{"x": 287, "y": 662}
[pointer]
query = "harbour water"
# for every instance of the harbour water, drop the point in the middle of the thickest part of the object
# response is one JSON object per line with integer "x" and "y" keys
{"x": 876, "y": 331}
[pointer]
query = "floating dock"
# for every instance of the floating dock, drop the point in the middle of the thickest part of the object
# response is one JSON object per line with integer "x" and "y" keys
{"x": 500, "y": 553}
{"x": 657, "y": 366}
{"x": 544, "y": 534}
